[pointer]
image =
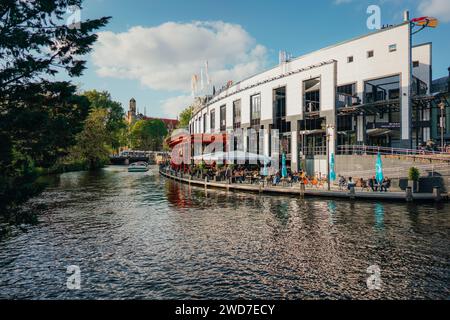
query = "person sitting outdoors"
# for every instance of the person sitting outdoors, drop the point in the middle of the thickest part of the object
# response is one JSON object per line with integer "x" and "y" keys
{"x": 238, "y": 176}
{"x": 385, "y": 185}
{"x": 342, "y": 182}
{"x": 305, "y": 180}
{"x": 295, "y": 177}
{"x": 373, "y": 184}
{"x": 276, "y": 179}
{"x": 314, "y": 182}
{"x": 362, "y": 184}
{"x": 350, "y": 183}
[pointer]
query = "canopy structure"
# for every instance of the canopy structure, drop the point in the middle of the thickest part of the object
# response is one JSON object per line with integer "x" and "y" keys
{"x": 231, "y": 156}
{"x": 379, "y": 132}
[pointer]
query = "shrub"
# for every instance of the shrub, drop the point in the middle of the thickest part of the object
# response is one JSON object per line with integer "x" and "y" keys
{"x": 413, "y": 174}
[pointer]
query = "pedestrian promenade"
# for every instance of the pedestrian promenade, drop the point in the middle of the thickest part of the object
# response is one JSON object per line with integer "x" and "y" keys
{"x": 297, "y": 190}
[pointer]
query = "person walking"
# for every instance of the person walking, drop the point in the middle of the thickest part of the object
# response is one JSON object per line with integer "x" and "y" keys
{"x": 228, "y": 174}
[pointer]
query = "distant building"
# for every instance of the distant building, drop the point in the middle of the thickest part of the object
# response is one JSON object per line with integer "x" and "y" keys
{"x": 133, "y": 115}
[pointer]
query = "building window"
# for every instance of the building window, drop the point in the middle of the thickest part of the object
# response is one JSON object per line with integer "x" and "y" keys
{"x": 237, "y": 114}
{"x": 255, "y": 110}
{"x": 223, "y": 121}
{"x": 346, "y": 96}
{"x": 279, "y": 111}
{"x": 382, "y": 89}
{"x": 311, "y": 98}
{"x": 205, "y": 122}
{"x": 392, "y": 48}
{"x": 350, "y": 59}
{"x": 370, "y": 54}
{"x": 212, "y": 119}
{"x": 416, "y": 64}
{"x": 200, "y": 129}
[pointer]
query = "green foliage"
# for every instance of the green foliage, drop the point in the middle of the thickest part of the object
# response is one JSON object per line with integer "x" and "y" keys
{"x": 148, "y": 135}
{"x": 116, "y": 124}
{"x": 185, "y": 117}
{"x": 165, "y": 146}
{"x": 92, "y": 142}
{"x": 38, "y": 42}
{"x": 413, "y": 174}
{"x": 39, "y": 119}
{"x": 18, "y": 183}
{"x": 44, "y": 123}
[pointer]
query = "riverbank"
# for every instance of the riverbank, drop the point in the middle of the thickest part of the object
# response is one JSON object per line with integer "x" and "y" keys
{"x": 296, "y": 190}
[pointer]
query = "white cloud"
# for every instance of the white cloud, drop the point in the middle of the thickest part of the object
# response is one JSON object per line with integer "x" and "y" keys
{"x": 166, "y": 56}
{"x": 436, "y": 8}
{"x": 173, "y": 106}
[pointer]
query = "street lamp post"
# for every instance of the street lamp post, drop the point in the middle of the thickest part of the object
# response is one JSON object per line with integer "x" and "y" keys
{"x": 442, "y": 125}
{"x": 328, "y": 161}
{"x": 328, "y": 136}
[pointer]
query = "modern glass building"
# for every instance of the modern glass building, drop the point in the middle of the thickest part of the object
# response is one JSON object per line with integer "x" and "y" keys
{"x": 372, "y": 90}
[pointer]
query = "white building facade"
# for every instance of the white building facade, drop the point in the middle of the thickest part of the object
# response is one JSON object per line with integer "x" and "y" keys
{"x": 365, "y": 91}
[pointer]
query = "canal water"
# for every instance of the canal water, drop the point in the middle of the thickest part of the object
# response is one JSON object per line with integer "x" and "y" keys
{"x": 141, "y": 236}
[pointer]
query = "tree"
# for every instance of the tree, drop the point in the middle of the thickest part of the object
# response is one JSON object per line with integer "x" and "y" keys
{"x": 148, "y": 135}
{"x": 92, "y": 142}
{"x": 115, "y": 125}
{"x": 38, "y": 41}
{"x": 38, "y": 117}
{"x": 185, "y": 117}
{"x": 44, "y": 125}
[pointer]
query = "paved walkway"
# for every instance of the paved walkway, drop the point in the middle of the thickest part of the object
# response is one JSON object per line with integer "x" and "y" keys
{"x": 308, "y": 192}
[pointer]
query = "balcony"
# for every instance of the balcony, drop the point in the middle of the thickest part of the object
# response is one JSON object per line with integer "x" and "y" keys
{"x": 311, "y": 106}
{"x": 314, "y": 151}
{"x": 346, "y": 100}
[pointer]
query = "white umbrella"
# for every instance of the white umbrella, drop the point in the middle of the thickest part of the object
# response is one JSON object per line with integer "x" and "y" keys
{"x": 232, "y": 156}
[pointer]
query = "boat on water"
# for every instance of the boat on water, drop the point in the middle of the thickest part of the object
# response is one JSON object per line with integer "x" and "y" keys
{"x": 138, "y": 167}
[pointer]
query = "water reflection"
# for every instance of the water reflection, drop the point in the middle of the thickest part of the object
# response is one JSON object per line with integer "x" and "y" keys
{"x": 142, "y": 236}
{"x": 379, "y": 217}
{"x": 332, "y": 212}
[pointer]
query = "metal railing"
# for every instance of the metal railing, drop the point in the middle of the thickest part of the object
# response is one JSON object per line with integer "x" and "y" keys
{"x": 311, "y": 106}
{"x": 314, "y": 151}
{"x": 397, "y": 172}
{"x": 373, "y": 150}
{"x": 347, "y": 100}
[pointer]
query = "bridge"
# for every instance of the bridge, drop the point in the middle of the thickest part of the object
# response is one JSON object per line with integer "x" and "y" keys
{"x": 130, "y": 156}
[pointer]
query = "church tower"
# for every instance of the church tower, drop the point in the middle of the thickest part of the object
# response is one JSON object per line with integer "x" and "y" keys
{"x": 131, "y": 116}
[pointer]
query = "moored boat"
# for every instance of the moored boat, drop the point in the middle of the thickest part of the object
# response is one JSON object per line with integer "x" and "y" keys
{"x": 138, "y": 167}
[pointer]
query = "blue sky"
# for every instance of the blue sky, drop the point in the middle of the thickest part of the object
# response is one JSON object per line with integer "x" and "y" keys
{"x": 151, "y": 48}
